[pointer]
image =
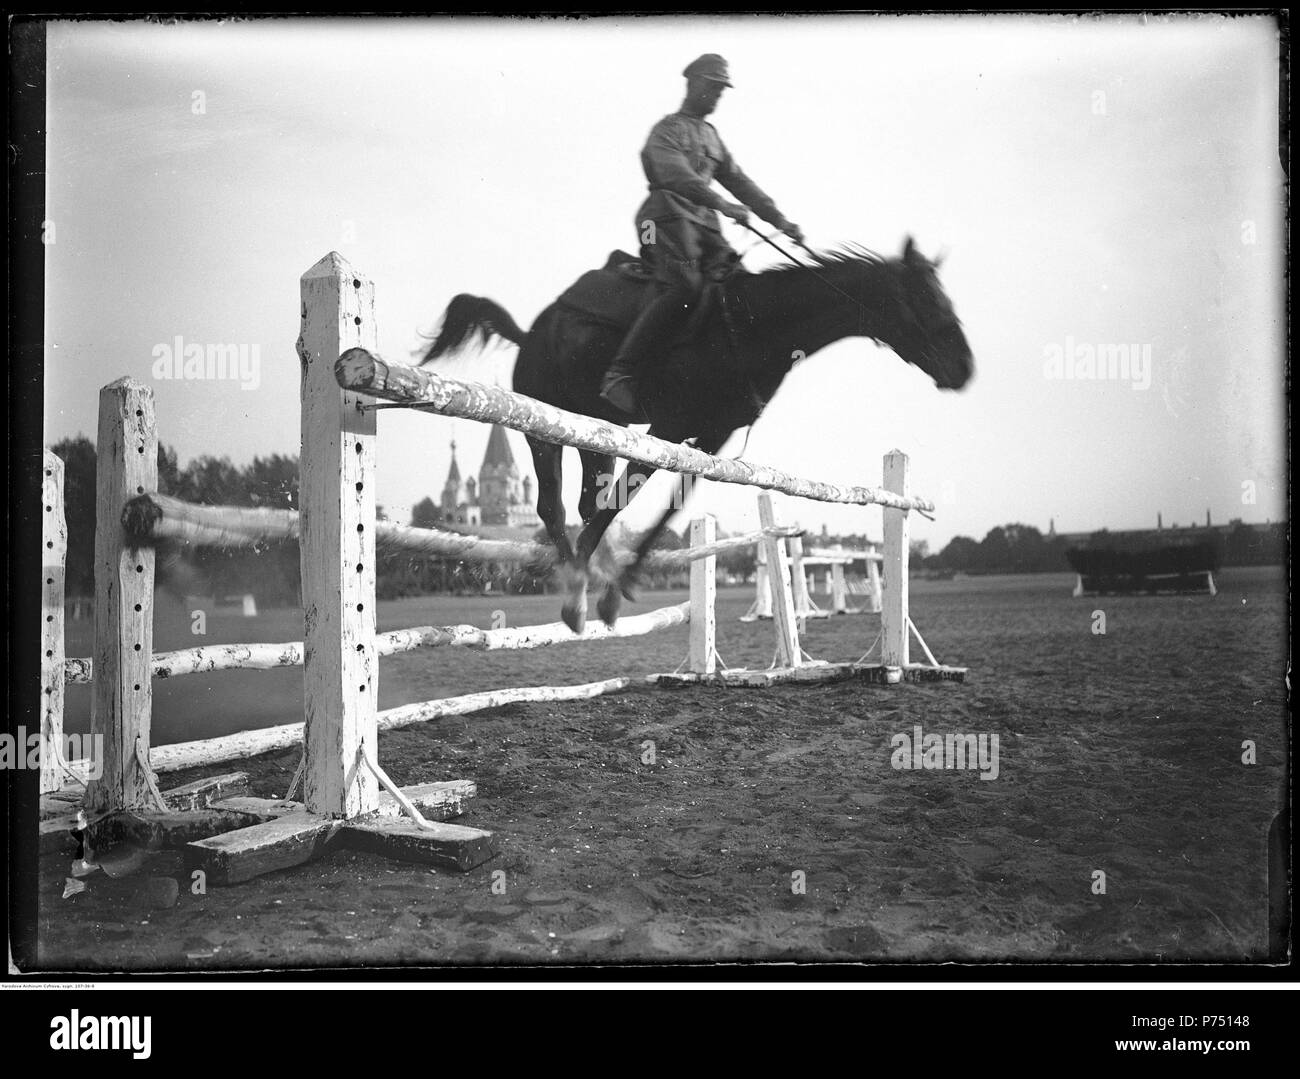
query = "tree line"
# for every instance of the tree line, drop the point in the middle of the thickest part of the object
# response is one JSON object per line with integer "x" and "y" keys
{"x": 271, "y": 572}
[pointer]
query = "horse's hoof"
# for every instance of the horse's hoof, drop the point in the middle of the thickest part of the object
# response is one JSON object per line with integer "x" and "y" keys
{"x": 574, "y": 611}
{"x": 628, "y": 586}
{"x": 610, "y": 603}
{"x": 575, "y": 616}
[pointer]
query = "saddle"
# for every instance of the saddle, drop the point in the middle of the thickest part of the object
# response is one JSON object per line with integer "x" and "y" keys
{"x": 615, "y": 295}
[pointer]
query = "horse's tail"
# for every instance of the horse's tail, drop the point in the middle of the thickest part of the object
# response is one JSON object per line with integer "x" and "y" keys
{"x": 470, "y": 316}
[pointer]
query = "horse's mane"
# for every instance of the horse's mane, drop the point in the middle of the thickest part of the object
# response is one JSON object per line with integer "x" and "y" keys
{"x": 828, "y": 259}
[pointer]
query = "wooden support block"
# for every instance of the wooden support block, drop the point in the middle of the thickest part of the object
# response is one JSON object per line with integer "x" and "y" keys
{"x": 203, "y": 792}
{"x": 812, "y": 673}
{"x": 913, "y": 672}
{"x": 450, "y": 846}
{"x": 61, "y": 802}
{"x": 259, "y": 808}
{"x": 152, "y": 828}
{"x": 292, "y": 839}
{"x": 56, "y": 834}
{"x": 436, "y": 801}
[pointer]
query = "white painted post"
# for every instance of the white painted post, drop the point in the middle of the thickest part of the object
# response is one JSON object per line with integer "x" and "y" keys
{"x": 54, "y": 556}
{"x": 778, "y": 574}
{"x": 799, "y": 582}
{"x": 893, "y": 614}
{"x": 337, "y": 543}
{"x": 839, "y": 594}
{"x": 876, "y": 592}
{"x": 762, "y": 605}
{"x": 121, "y": 706}
{"x": 250, "y": 605}
{"x": 704, "y": 594}
{"x": 762, "y": 586}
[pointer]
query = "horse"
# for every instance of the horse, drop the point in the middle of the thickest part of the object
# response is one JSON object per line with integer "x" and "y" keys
{"x": 709, "y": 384}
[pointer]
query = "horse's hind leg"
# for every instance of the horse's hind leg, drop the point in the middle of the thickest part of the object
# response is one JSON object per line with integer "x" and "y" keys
{"x": 548, "y": 464}
{"x": 597, "y": 482}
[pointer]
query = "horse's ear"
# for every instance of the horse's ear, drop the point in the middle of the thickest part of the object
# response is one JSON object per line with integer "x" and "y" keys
{"x": 909, "y": 250}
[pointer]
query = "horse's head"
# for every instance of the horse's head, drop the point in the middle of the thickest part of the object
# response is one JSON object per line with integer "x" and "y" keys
{"x": 920, "y": 324}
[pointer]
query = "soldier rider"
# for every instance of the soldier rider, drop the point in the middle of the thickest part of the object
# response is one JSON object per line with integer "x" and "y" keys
{"x": 679, "y": 222}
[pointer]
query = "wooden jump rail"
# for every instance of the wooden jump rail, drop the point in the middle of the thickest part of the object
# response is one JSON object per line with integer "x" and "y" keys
{"x": 346, "y": 797}
{"x": 361, "y": 371}
{"x": 206, "y": 659}
{"x": 153, "y": 518}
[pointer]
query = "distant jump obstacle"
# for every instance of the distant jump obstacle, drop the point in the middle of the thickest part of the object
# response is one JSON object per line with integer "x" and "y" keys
{"x": 347, "y": 798}
{"x": 834, "y": 561}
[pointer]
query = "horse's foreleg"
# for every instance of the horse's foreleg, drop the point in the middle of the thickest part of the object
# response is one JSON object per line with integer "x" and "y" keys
{"x": 611, "y": 501}
{"x": 629, "y": 578}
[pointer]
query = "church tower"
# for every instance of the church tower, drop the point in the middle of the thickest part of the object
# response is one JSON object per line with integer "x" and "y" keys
{"x": 450, "y": 501}
{"x": 503, "y": 494}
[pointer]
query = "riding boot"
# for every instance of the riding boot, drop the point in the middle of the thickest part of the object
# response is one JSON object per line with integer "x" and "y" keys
{"x": 652, "y": 330}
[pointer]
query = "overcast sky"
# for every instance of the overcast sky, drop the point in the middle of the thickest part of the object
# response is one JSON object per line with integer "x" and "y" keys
{"x": 1095, "y": 182}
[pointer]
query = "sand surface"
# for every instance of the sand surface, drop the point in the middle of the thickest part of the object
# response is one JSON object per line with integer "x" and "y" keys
{"x": 1118, "y": 753}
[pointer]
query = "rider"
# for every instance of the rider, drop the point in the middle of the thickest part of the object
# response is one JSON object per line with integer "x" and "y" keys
{"x": 678, "y": 222}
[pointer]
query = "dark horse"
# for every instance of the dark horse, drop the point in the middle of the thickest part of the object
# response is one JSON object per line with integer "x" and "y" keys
{"x": 707, "y": 387}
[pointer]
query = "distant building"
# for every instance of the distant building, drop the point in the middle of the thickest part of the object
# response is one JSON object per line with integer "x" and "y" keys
{"x": 1237, "y": 542}
{"x": 499, "y": 499}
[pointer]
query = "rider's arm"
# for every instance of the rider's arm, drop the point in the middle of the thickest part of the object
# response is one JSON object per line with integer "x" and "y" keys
{"x": 732, "y": 177}
{"x": 667, "y": 166}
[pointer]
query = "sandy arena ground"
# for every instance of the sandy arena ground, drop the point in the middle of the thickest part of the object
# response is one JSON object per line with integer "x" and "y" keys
{"x": 1119, "y": 753}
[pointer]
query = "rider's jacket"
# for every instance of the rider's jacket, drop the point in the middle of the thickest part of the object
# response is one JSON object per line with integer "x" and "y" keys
{"x": 682, "y": 156}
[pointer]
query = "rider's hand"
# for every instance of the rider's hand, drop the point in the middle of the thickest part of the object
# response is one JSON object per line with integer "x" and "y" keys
{"x": 793, "y": 231}
{"x": 738, "y": 213}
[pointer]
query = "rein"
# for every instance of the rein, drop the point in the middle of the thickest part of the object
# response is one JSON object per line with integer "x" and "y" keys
{"x": 804, "y": 266}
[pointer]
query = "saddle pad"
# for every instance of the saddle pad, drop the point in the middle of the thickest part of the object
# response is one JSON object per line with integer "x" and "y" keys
{"x": 615, "y": 294}
{"x": 611, "y": 295}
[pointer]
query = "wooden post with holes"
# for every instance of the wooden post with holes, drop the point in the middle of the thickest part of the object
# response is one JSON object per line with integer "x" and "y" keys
{"x": 704, "y": 594}
{"x": 122, "y": 698}
{"x": 893, "y": 614}
{"x": 54, "y": 555}
{"x": 788, "y": 653}
{"x": 337, "y": 543}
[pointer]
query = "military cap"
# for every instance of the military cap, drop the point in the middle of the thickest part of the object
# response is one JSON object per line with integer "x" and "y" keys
{"x": 710, "y": 66}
